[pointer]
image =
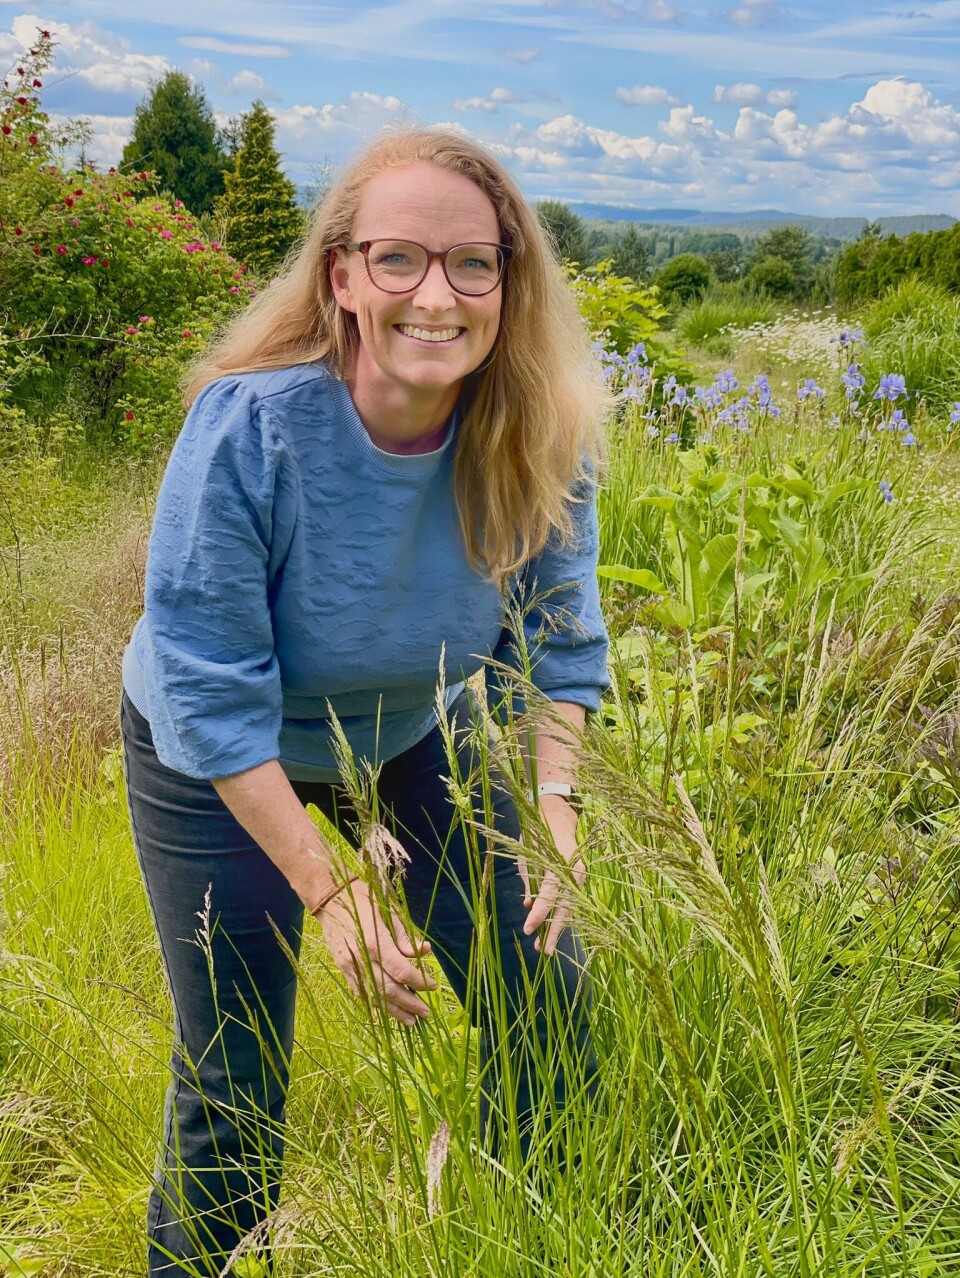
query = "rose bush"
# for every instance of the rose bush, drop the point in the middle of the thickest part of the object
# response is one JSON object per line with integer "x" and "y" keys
{"x": 104, "y": 297}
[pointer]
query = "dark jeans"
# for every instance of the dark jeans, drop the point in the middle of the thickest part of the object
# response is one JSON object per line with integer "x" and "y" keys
{"x": 233, "y": 995}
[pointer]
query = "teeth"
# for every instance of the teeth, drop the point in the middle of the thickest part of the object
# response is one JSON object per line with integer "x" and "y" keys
{"x": 425, "y": 335}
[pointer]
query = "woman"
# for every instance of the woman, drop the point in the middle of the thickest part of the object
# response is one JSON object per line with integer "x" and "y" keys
{"x": 393, "y": 443}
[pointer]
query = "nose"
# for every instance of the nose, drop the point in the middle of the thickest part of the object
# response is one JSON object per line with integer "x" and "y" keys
{"x": 434, "y": 293}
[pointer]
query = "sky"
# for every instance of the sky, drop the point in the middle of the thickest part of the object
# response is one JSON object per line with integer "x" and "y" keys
{"x": 834, "y": 107}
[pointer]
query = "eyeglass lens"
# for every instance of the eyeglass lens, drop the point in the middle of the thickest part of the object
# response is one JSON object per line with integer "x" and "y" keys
{"x": 397, "y": 265}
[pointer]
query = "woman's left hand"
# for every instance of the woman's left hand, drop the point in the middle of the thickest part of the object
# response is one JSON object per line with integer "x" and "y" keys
{"x": 553, "y": 900}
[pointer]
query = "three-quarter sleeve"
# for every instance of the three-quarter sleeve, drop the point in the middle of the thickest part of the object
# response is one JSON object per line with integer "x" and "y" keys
{"x": 222, "y": 527}
{"x": 564, "y": 634}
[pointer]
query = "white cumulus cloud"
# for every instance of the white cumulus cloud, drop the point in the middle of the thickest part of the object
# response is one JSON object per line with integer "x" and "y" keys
{"x": 97, "y": 57}
{"x": 249, "y": 84}
{"x": 645, "y": 95}
{"x": 740, "y": 94}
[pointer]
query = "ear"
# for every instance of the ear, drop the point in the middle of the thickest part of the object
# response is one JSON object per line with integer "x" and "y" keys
{"x": 340, "y": 280}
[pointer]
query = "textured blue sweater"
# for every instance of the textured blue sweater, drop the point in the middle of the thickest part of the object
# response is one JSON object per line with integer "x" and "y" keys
{"x": 293, "y": 563}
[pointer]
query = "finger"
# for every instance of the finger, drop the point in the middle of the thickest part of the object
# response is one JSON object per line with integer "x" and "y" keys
{"x": 409, "y": 946}
{"x": 561, "y": 917}
{"x": 543, "y": 905}
{"x": 524, "y": 871}
{"x": 396, "y": 999}
{"x": 403, "y": 971}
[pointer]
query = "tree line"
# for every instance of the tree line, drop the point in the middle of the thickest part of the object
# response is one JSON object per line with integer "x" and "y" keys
{"x": 785, "y": 263}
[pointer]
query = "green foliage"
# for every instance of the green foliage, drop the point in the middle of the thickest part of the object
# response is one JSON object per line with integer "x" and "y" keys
{"x": 104, "y": 297}
{"x": 620, "y": 313}
{"x": 774, "y": 276}
{"x": 870, "y": 266}
{"x": 684, "y": 277}
{"x": 631, "y": 255}
{"x": 566, "y": 228}
{"x": 915, "y": 330}
{"x": 175, "y": 136}
{"x": 705, "y": 323}
{"x": 260, "y": 209}
{"x": 732, "y": 541}
{"x": 791, "y": 244}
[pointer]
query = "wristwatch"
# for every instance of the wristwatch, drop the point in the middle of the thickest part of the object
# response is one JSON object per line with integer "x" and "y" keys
{"x": 563, "y": 788}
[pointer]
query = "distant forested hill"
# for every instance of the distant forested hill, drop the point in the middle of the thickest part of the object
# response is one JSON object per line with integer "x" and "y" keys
{"x": 606, "y": 217}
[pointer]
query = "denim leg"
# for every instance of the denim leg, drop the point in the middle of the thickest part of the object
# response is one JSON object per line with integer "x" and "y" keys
{"x": 219, "y": 1167}
{"x": 545, "y": 1001}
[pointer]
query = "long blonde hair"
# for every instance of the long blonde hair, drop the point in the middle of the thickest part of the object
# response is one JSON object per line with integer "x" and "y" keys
{"x": 534, "y": 423}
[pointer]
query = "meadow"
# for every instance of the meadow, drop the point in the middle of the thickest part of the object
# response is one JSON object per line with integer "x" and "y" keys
{"x": 771, "y": 825}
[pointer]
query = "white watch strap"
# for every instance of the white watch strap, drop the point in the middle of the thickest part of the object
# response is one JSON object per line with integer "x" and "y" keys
{"x": 555, "y": 787}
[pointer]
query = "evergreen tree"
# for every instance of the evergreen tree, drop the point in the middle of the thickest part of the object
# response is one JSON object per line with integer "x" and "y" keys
{"x": 260, "y": 210}
{"x": 174, "y": 134}
{"x": 567, "y": 229}
{"x": 791, "y": 244}
{"x": 631, "y": 256}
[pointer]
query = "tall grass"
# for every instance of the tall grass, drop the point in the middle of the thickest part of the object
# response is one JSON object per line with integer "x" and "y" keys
{"x": 915, "y": 330}
{"x": 708, "y": 322}
{"x": 773, "y": 835}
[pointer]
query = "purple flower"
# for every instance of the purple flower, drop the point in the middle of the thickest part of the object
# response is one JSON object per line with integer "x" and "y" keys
{"x": 809, "y": 388}
{"x": 672, "y": 437}
{"x": 653, "y": 432}
{"x": 726, "y": 381}
{"x": 909, "y": 439}
{"x": 886, "y": 491}
{"x": 853, "y": 380}
{"x": 892, "y": 386}
{"x": 954, "y": 416}
{"x": 848, "y": 337}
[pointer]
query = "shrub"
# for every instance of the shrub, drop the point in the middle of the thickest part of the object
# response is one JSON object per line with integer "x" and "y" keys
{"x": 773, "y": 276}
{"x": 684, "y": 277}
{"x": 103, "y": 297}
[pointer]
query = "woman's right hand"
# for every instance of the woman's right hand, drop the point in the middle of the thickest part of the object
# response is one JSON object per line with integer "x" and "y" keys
{"x": 376, "y": 960}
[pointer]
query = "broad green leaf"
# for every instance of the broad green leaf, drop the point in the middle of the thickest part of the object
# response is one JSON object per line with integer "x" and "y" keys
{"x": 671, "y": 612}
{"x": 835, "y": 491}
{"x": 641, "y": 577}
{"x": 718, "y": 555}
{"x": 801, "y": 488}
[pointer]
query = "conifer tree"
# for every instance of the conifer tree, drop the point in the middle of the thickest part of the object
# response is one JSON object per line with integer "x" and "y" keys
{"x": 260, "y": 209}
{"x": 175, "y": 136}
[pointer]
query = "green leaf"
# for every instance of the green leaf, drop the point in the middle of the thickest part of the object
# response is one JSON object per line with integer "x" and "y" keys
{"x": 801, "y": 488}
{"x": 641, "y": 577}
{"x": 718, "y": 555}
{"x": 673, "y": 613}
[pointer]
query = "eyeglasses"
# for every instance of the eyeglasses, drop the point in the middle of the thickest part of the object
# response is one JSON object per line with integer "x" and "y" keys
{"x": 400, "y": 266}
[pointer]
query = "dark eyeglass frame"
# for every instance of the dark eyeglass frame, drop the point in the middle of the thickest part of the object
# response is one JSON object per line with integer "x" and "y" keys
{"x": 504, "y": 254}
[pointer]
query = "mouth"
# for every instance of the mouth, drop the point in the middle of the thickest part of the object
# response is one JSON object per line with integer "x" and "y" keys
{"x": 430, "y": 336}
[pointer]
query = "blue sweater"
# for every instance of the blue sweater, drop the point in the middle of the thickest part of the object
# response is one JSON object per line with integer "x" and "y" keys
{"x": 293, "y": 563}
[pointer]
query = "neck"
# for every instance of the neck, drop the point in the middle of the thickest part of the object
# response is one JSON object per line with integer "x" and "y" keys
{"x": 400, "y": 419}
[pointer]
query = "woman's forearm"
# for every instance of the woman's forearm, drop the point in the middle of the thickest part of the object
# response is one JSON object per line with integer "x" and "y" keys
{"x": 264, "y": 802}
{"x": 554, "y": 744}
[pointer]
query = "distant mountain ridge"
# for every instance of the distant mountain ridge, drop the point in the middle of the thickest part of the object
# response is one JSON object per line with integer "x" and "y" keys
{"x": 844, "y": 228}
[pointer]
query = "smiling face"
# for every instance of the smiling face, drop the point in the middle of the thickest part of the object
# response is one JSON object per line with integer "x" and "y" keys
{"x": 398, "y": 364}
